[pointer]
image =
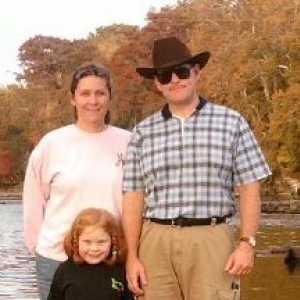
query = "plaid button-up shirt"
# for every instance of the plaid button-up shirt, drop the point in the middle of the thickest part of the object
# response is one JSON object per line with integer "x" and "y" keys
{"x": 190, "y": 167}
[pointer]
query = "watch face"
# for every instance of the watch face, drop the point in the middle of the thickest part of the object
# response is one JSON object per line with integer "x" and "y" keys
{"x": 252, "y": 241}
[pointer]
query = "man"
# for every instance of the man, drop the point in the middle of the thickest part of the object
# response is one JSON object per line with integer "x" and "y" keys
{"x": 182, "y": 167}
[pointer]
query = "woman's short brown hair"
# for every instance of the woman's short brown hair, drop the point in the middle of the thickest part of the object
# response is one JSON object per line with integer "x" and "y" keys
{"x": 100, "y": 218}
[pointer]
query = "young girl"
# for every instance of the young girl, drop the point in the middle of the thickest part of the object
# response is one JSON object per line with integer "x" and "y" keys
{"x": 94, "y": 269}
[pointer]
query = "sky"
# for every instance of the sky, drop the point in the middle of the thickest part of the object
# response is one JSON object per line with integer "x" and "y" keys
{"x": 70, "y": 19}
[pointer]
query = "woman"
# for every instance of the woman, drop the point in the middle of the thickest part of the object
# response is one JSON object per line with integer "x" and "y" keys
{"x": 72, "y": 168}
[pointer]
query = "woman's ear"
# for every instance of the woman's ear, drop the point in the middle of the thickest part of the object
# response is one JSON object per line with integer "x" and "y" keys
{"x": 72, "y": 101}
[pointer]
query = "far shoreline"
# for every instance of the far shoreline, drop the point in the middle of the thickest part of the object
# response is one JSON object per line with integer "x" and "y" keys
{"x": 7, "y": 196}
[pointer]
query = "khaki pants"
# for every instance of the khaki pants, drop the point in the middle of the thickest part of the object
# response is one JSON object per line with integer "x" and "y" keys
{"x": 187, "y": 263}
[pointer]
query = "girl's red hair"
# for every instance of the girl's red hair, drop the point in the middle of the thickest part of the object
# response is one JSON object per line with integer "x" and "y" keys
{"x": 101, "y": 218}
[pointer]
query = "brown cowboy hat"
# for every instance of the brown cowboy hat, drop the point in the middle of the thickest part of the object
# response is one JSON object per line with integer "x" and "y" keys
{"x": 169, "y": 52}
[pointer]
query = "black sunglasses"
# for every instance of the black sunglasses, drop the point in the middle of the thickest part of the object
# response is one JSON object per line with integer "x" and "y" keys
{"x": 164, "y": 77}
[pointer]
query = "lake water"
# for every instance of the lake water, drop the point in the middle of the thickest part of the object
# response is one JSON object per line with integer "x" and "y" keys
{"x": 271, "y": 279}
{"x": 17, "y": 268}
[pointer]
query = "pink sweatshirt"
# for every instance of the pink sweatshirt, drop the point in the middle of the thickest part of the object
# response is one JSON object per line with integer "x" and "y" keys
{"x": 70, "y": 170}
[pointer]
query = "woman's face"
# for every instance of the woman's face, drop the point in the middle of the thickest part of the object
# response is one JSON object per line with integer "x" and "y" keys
{"x": 91, "y": 100}
{"x": 94, "y": 245}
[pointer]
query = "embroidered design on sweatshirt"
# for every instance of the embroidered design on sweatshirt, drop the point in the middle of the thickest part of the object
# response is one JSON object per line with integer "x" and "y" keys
{"x": 117, "y": 285}
{"x": 120, "y": 159}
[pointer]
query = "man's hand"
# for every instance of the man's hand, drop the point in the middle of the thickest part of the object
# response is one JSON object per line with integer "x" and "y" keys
{"x": 136, "y": 276}
{"x": 241, "y": 261}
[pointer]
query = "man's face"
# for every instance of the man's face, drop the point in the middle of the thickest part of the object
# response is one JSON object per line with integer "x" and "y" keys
{"x": 178, "y": 84}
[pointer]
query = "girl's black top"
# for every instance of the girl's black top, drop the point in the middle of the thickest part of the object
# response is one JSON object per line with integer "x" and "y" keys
{"x": 73, "y": 281}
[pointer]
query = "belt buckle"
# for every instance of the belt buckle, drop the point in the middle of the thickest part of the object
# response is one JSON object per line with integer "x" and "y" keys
{"x": 177, "y": 222}
{"x": 213, "y": 221}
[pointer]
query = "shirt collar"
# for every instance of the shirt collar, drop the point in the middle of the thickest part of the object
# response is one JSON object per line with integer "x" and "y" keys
{"x": 166, "y": 113}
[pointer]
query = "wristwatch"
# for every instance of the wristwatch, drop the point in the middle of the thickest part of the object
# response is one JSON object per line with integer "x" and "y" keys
{"x": 250, "y": 240}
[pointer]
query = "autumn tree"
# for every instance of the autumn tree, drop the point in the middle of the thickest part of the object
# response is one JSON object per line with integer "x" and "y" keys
{"x": 254, "y": 68}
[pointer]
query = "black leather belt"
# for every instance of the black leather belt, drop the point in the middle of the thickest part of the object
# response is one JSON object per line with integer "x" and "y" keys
{"x": 182, "y": 222}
